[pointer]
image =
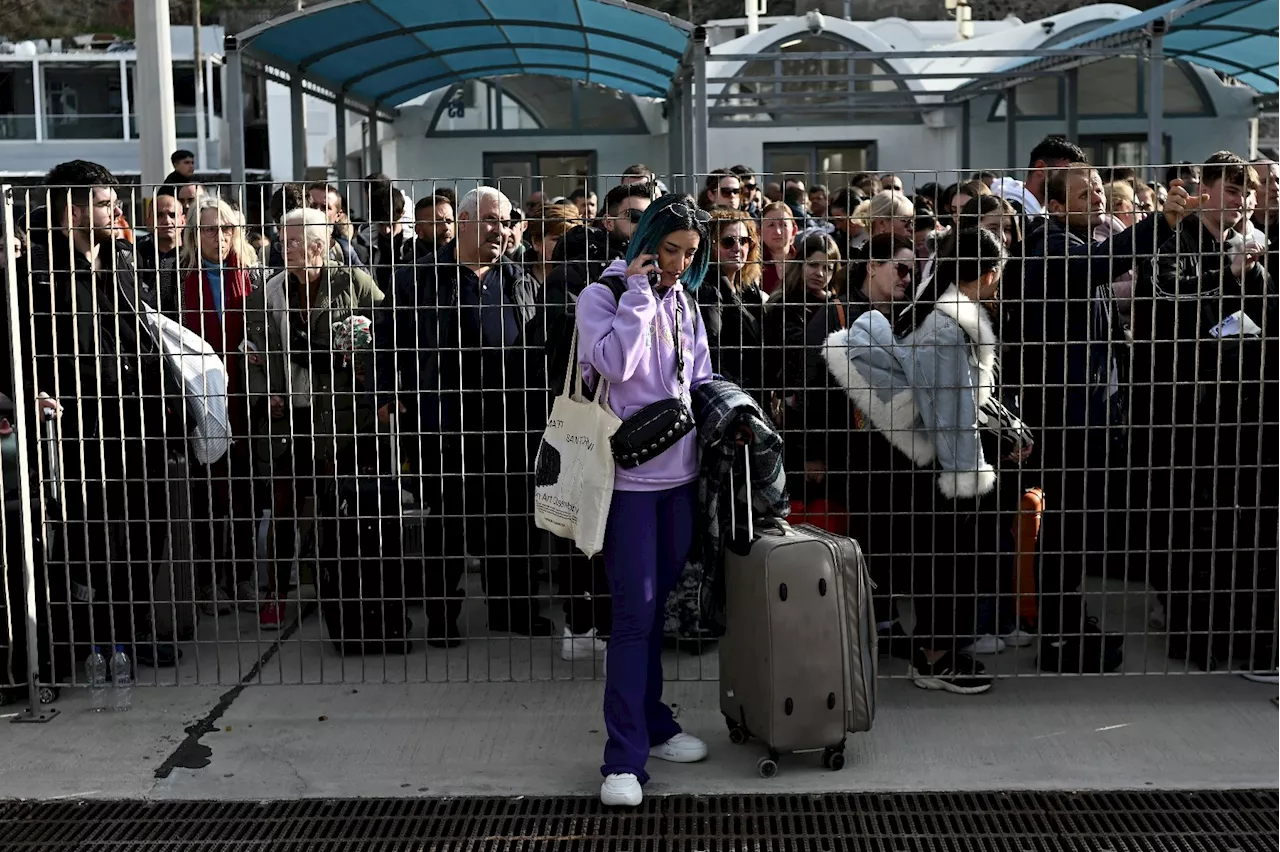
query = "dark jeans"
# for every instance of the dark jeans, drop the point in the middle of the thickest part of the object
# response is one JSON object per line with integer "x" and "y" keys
{"x": 584, "y": 585}
{"x": 224, "y": 528}
{"x": 645, "y": 547}
{"x": 111, "y": 544}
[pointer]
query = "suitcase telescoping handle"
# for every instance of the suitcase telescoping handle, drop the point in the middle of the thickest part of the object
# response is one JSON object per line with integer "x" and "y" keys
{"x": 49, "y": 437}
{"x": 733, "y": 492}
{"x": 779, "y": 524}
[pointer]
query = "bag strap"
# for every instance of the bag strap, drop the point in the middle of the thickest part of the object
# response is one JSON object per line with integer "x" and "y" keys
{"x": 840, "y": 314}
{"x": 571, "y": 369}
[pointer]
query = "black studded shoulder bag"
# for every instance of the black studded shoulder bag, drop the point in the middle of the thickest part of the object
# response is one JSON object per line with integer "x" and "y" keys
{"x": 657, "y": 427}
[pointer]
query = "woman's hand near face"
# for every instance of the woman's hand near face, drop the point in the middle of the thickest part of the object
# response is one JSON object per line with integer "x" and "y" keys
{"x": 642, "y": 265}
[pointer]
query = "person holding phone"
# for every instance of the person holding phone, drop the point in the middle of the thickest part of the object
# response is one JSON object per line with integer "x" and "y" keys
{"x": 650, "y": 346}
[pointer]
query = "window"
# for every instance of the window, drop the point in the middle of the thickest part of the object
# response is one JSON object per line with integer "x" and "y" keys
{"x": 555, "y": 173}
{"x": 1111, "y": 88}
{"x": 1121, "y": 150}
{"x": 830, "y": 164}
{"x": 535, "y": 104}
{"x": 826, "y": 84}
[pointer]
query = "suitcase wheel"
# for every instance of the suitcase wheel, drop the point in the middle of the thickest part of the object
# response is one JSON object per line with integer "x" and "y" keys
{"x": 737, "y": 734}
{"x": 833, "y": 759}
{"x": 767, "y": 767}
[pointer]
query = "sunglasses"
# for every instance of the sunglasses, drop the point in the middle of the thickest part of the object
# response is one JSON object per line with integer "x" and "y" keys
{"x": 730, "y": 191}
{"x": 694, "y": 214}
{"x": 728, "y": 243}
{"x": 212, "y": 230}
{"x": 905, "y": 270}
{"x": 633, "y": 216}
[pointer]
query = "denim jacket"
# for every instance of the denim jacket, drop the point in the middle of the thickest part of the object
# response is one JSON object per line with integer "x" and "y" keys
{"x": 931, "y": 393}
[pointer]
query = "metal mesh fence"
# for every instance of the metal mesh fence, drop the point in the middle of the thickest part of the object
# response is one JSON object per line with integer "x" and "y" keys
{"x": 256, "y": 444}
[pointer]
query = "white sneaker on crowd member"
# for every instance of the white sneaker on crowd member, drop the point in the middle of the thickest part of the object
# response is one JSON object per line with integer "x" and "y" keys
{"x": 1262, "y": 677}
{"x": 213, "y": 601}
{"x": 986, "y": 645}
{"x": 621, "y": 790}
{"x": 247, "y": 597}
{"x": 682, "y": 748}
{"x": 1018, "y": 638}
{"x": 582, "y": 646}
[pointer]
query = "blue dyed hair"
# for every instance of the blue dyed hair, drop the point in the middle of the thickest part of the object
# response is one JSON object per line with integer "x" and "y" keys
{"x": 665, "y": 216}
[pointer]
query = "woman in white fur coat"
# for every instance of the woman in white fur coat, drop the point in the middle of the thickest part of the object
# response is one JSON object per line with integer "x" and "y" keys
{"x": 930, "y": 387}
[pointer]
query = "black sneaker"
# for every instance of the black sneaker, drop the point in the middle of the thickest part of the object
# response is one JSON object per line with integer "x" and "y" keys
{"x": 954, "y": 672}
{"x": 895, "y": 642}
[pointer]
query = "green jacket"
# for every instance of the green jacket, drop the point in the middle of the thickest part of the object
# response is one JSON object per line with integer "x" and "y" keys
{"x": 339, "y": 406}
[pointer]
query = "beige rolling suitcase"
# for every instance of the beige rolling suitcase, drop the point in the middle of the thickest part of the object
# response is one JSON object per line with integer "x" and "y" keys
{"x": 798, "y": 659}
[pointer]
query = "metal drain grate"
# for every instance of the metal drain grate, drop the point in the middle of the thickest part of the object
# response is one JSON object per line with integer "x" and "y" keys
{"x": 937, "y": 822}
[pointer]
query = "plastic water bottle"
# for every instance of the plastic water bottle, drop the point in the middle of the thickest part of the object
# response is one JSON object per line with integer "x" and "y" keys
{"x": 122, "y": 679}
{"x": 95, "y": 674}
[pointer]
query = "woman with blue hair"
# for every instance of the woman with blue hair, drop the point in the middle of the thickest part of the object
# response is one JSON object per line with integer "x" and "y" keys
{"x": 650, "y": 346}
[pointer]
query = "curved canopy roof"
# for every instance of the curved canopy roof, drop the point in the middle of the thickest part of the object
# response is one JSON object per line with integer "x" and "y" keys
{"x": 1236, "y": 37}
{"x": 390, "y": 51}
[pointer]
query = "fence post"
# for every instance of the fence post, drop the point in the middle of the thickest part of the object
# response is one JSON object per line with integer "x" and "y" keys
{"x": 22, "y": 409}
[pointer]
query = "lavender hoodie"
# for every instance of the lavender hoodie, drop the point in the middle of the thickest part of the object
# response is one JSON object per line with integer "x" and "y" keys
{"x": 630, "y": 342}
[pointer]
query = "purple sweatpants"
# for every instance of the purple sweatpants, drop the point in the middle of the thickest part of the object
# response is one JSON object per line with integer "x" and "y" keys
{"x": 645, "y": 547}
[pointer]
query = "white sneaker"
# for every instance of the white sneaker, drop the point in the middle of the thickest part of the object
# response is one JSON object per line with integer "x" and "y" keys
{"x": 1019, "y": 638}
{"x": 583, "y": 646}
{"x": 1262, "y": 677}
{"x": 621, "y": 790}
{"x": 247, "y": 597}
{"x": 682, "y": 748}
{"x": 986, "y": 645}
{"x": 213, "y": 601}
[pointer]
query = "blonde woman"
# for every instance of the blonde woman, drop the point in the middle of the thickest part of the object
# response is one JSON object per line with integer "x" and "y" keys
{"x": 778, "y": 231}
{"x": 732, "y": 307}
{"x": 548, "y": 223}
{"x": 218, "y": 271}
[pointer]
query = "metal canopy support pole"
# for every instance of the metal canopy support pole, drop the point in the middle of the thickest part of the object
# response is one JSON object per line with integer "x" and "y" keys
{"x": 1155, "y": 97}
{"x": 340, "y": 140}
{"x": 202, "y": 131}
{"x": 702, "y": 103}
{"x": 675, "y": 133}
{"x": 233, "y": 110}
{"x": 34, "y": 712}
{"x": 153, "y": 89}
{"x": 1073, "y": 104}
{"x": 298, "y": 124}
{"x": 375, "y": 147}
{"x": 37, "y": 84}
{"x": 686, "y": 138}
{"x": 1011, "y": 126}
{"x": 966, "y": 134}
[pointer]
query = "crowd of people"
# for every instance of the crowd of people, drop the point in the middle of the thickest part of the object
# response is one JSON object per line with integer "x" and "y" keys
{"x": 927, "y": 353}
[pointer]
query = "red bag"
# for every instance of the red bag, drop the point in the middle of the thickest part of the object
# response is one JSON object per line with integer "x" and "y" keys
{"x": 823, "y": 514}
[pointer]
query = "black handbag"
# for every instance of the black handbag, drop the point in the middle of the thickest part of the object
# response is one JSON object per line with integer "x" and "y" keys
{"x": 655, "y": 428}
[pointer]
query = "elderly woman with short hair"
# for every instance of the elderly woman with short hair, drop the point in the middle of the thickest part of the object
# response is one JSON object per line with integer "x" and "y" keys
{"x": 304, "y": 390}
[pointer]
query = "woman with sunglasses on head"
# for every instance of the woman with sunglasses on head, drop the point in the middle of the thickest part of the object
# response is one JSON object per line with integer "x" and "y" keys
{"x": 651, "y": 347}
{"x": 778, "y": 231}
{"x": 733, "y": 310}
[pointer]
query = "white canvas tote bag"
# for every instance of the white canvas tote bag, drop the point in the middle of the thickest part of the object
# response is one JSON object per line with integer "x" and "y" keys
{"x": 573, "y": 473}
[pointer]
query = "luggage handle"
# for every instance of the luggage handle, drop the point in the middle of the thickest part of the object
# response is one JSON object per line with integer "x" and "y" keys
{"x": 733, "y": 493}
{"x": 52, "y": 473}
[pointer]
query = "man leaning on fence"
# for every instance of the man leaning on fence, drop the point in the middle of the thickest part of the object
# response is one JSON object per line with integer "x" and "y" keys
{"x": 1205, "y": 398}
{"x": 450, "y": 347}
{"x": 91, "y": 350}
